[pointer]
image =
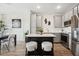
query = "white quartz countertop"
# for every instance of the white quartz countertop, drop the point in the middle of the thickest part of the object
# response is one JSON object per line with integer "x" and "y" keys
{"x": 38, "y": 35}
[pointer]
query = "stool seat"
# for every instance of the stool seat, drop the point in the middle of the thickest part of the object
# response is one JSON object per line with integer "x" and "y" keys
{"x": 47, "y": 46}
{"x": 31, "y": 46}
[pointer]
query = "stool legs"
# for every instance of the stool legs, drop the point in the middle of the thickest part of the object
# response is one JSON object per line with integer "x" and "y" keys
{"x": 31, "y": 53}
{"x": 47, "y": 53}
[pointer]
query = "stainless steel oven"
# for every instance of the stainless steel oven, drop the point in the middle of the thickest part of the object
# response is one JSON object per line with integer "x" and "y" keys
{"x": 65, "y": 40}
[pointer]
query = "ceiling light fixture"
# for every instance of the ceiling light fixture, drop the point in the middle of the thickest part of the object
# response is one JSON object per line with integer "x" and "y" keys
{"x": 38, "y": 7}
{"x": 58, "y": 7}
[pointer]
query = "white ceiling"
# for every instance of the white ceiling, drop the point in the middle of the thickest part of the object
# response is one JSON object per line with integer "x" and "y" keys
{"x": 45, "y": 8}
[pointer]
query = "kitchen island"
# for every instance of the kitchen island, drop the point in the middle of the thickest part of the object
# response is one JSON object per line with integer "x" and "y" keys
{"x": 39, "y": 39}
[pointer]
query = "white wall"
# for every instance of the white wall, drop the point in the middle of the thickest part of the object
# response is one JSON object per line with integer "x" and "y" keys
{"x": 24, "y": 15}
{"x": 66, "y": 17}
{"x": 33, "y": 23}
{"x": 38, "y": 21}
{"x": 50, "y": 28}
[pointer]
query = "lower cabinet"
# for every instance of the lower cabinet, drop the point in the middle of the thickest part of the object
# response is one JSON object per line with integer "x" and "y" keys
{"x": 58, "y": 37}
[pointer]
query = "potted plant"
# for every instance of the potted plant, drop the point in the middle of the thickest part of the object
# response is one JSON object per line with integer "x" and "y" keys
{"x": 2, "y": 26}
{"x": 40, "y": 29}
{"x": 27, "y": 32}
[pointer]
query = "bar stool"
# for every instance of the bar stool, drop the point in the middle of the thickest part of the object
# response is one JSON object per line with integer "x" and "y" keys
{"x": 47, "y": 48}
{"x": 31, "y": 48}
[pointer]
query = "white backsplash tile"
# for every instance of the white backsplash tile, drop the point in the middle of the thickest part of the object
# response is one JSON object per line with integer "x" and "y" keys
{"x": 67, "y": 30}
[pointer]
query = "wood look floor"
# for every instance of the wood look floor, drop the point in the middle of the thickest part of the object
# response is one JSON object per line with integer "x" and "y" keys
{"x": 59, "y": 50}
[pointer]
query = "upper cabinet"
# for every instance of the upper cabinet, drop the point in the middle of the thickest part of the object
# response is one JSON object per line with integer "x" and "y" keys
{"x": 58, "y": 21}
{"x": 67, "y": 19}
{"x": 74, "y": 18}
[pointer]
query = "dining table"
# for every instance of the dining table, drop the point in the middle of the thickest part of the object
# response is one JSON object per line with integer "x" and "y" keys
{"x": 6, "y": 37}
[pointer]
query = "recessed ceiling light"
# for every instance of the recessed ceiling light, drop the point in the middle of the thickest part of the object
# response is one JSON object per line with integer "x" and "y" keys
{"x": 38, "y": 7}
{"x": 58, "y": 7}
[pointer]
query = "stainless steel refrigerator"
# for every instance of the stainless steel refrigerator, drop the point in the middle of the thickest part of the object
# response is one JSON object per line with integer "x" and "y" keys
{"x": 75, "y": 35}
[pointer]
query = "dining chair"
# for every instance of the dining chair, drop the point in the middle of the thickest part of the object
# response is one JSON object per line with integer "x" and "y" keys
{"x": 6, "y": 43}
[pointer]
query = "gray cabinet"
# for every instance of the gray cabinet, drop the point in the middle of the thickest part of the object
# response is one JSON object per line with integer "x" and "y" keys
{"x": 58, "y": 21}
{"x": 58, "y": 37}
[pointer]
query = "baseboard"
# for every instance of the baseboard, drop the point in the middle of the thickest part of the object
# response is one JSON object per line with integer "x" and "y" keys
{"x": 57, "y": 42}
{"x": 20, "y": 42}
